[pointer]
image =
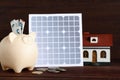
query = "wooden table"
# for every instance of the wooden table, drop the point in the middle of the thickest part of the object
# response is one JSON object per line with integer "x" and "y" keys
{"x": 73, "y": 73}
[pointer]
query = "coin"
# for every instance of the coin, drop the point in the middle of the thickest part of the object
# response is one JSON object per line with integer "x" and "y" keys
{"x": 41, "y": 69}
{"x": 53, "y": 71}
{"x": 37, "y": 72}
{"x": 61, "y": 69}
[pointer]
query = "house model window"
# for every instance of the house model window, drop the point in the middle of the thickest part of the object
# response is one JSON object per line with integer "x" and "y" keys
{"x": 93, "y": 39}
{"x": 85, "y": 54}
{"x": 103, "y": 54}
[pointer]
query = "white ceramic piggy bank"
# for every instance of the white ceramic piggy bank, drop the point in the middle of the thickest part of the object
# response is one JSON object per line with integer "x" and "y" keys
{"x": 18, "y": 52}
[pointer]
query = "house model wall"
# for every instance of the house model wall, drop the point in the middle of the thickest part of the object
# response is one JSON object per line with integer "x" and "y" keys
{"x": 96, "y": 48}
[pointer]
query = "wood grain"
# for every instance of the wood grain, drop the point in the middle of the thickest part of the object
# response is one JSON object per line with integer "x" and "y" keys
{"x": 111, "y": 72}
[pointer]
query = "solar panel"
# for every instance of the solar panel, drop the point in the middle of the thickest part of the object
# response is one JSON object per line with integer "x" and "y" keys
{"x": 59, "y": 39}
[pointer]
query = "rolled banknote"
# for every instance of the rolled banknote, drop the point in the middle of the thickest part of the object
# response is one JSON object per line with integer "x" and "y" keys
{"x": 17, "y": 26}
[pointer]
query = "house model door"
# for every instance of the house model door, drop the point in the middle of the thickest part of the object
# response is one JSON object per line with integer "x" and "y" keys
{"x": 94, "y": 56}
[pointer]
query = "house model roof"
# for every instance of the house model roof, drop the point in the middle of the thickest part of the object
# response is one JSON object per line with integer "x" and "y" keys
{"x": 97, "y": 39}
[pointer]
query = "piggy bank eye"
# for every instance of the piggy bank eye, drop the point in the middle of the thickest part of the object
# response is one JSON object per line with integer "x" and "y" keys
{"x": 27, "y": 40}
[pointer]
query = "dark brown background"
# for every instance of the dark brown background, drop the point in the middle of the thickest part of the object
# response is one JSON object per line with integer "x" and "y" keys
{"x": 99, "y": 16}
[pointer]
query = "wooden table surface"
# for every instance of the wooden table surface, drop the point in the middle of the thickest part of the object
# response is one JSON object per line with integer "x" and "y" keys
{"x": 111, "y": 72}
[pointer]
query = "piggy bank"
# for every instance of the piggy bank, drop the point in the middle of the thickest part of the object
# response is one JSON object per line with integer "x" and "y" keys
{"x": 18, "y": 52}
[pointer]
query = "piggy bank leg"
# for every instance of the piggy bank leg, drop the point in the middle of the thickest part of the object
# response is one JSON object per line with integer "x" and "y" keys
{"x": 31, "y": 68}
{"x": 4, "y": 68}
{"x": 17, "y": 70}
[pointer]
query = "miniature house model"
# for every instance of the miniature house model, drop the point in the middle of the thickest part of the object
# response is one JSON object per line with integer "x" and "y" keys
{"x": 96, "y": 50}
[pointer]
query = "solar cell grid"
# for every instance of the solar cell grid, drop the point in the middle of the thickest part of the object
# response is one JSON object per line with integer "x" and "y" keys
{"x": 59, "y": 39}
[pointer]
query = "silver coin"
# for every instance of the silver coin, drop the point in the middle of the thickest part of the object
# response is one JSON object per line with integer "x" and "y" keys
{"x": 37, "y": 72}
{"x": 53, "y": 71}
{"x": 61, "y": 69}
{"x": 42, "y": 69}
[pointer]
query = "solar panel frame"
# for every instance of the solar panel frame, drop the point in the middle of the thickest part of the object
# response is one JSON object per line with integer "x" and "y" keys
{"x": 58, "y": 30}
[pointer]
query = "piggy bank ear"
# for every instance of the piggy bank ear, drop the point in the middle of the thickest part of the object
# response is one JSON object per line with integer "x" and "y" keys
{"x": 33, "y": 35}
{"x": 12, "y": 36}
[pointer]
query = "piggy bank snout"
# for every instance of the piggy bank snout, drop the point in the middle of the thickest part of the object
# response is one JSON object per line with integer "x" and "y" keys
{"x": 28, "y": 40}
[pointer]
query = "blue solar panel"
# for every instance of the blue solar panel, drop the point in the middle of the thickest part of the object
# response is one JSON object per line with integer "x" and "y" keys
{"x": 59, "y": 39}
